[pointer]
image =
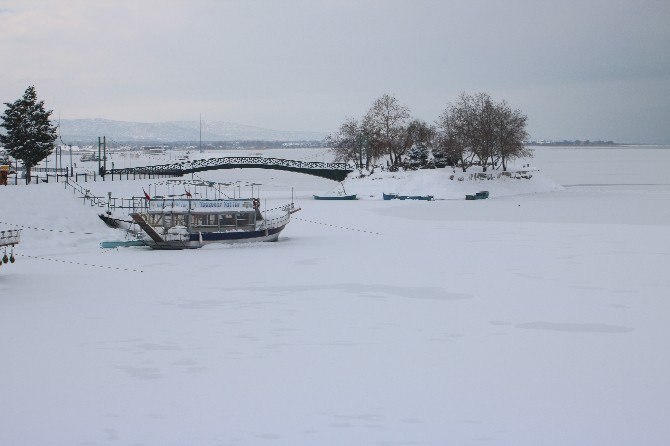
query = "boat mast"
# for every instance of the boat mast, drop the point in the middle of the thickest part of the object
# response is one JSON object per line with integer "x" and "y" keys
{"x": 200, "y": 133}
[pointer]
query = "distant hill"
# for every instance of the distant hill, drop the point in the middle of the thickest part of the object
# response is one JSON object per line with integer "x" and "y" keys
{"x": 90, "y": 129}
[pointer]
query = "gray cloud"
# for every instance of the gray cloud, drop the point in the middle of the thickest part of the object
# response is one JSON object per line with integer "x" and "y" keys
{"x": 579, "y": 69}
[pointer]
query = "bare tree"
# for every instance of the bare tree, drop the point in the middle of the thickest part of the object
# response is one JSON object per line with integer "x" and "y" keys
{"x": 479, "y": 110}
{"x": 351, "y": 143}
{"x": 510, "y": 134}
{"x": 454, "y": 134}
{"x": 472, "y": 130}
{"x": 385, "y": 122}
{"x": 477, "y": 128}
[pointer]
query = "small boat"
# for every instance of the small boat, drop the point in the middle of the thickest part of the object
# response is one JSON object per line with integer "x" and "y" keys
{"x": 88, "y": 157}
{"x": 339, "y": 194}
{"x": 154, "y": 150}
{"x": 416, "y": 197}
{"x": 407, "y": 197}
{"x": 335, "y": 197}
{"x": 482, "y": 195}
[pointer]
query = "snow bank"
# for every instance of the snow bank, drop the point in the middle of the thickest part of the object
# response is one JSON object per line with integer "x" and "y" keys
{"x": 445, "y": 184}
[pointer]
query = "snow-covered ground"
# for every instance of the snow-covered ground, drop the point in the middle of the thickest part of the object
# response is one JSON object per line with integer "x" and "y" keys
{"x": 538, "y": 316}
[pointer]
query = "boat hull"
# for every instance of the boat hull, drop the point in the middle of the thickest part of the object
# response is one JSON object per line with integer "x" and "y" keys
{"x": 337, "y": 197}
{"x": 198, "y": 240}
{"x": 407, "y": 197}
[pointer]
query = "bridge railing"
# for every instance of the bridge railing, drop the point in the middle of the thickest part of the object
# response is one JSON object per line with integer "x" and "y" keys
{"x": 183, "y": 167}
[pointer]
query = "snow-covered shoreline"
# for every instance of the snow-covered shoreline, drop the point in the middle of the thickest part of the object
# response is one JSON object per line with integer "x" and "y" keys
{"x": 534, "y": 317}
{"x": 445, "y": 184}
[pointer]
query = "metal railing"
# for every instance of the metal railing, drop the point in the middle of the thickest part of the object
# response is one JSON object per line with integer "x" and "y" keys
{"x": 335, "y": 171}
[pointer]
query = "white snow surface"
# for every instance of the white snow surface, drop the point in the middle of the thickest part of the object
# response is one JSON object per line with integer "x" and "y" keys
{"x": 538, "y": 316}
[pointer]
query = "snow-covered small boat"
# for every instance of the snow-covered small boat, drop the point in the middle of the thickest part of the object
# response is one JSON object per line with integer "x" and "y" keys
{"x": 407, "y": 197}
{"x": 335, "y": 197}
{"x": 339, "y": 193}
{"x": 88, "y": 157}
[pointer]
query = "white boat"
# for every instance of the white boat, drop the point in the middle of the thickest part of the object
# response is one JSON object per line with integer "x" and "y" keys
{"x": 154, "y": 150}
{"x": 187, "y": 221}
{"x": 88, "y": 157}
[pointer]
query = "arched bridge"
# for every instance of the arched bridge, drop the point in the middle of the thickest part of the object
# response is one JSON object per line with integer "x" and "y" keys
{"x": 331, "y": 171}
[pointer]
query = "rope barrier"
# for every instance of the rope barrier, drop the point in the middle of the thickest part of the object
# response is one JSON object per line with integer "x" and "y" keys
{"x": 46, "y": 229}
{"x": 338, "y": 227}
{"x": 80, "y": 263}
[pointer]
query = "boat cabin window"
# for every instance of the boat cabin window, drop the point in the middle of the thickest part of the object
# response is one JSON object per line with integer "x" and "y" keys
{"x": 227, "y": 220}
{"x": 170, "y": 220}
{"x": 204, "y": 220}
{"x": 244, "y": 219}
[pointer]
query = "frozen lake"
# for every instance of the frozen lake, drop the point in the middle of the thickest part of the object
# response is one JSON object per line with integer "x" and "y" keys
{"x": 535, "y": 318}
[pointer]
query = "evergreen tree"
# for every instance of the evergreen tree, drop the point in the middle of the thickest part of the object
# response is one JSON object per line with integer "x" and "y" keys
{"x": 420, "y": 138}
{"x": 29, "y": 135}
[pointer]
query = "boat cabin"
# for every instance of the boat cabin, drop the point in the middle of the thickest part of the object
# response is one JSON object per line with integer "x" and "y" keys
{"x": 204, "y": 215}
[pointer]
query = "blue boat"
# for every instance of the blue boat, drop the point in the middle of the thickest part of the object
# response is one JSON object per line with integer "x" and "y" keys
{"x": 481, "y": 195}
{"x": 407, "y": 197}
{"x": 335, "y": 197}
{"x": 122, "y": 244}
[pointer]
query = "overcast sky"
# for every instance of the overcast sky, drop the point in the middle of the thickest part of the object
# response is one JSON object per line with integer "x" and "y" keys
{"x": 579, "y": 69}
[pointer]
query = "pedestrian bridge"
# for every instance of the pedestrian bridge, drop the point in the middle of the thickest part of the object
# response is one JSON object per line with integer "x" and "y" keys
{"x": 331, "y": 171}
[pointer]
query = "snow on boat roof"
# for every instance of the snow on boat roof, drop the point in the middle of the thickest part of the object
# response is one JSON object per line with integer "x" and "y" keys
{"x": 181, "y": 205}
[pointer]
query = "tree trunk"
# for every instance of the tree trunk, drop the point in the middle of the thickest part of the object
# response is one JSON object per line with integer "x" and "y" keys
{"x": 504, "y": 164}
{"x": 27, "y": 173}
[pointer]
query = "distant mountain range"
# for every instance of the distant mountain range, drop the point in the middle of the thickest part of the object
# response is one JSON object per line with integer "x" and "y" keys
{"x": 78, "y": 130}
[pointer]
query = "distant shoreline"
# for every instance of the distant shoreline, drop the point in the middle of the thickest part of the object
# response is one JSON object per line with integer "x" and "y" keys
{"x": 600, "y": 146}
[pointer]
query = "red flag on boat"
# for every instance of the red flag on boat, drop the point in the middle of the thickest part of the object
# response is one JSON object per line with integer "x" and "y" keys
{"x": 146, "y": 195}
{"x": 188, "y": 194}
